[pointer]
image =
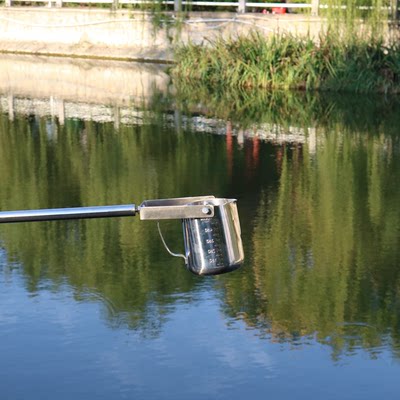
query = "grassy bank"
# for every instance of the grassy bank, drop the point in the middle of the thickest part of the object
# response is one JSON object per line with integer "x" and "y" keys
{"x": 288, "y": 62}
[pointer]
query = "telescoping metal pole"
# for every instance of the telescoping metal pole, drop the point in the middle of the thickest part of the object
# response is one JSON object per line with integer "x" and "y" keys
{"x": 129, "y": 210}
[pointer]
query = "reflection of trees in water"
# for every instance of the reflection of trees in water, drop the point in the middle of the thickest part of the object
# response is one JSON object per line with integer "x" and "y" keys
{"x": 120, "y": 259}
{"x": 325, "y": 246}
{"x": 320, "y": 229}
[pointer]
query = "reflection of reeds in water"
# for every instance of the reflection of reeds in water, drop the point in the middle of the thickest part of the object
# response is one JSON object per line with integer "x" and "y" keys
{"x": 250, "y": 108}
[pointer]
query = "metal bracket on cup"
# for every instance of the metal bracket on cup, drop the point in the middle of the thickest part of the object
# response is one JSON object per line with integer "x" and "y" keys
{"x": 179, "y": 208}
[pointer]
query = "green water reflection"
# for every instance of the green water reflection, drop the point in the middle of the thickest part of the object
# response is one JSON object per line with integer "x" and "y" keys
{"x": 320, "y": 216}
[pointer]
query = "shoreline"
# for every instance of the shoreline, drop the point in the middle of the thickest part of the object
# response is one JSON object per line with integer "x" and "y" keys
{"x": 85, "y": 56}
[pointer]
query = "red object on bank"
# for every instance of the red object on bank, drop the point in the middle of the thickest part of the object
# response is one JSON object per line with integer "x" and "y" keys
{"x": 278, "y": 10}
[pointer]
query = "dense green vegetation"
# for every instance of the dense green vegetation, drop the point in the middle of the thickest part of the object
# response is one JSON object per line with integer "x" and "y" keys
{"x": 287, "y": 62}
{"x": 356, "y": 51}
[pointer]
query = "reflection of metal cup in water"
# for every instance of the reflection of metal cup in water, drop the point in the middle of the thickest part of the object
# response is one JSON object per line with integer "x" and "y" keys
{"x": 214, "y": 245}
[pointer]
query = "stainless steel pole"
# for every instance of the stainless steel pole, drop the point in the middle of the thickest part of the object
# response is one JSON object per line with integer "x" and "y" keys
{"x": 129, "y": 210}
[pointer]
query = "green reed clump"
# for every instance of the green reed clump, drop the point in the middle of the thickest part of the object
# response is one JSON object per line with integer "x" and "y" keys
{"x": 289, "y": 62}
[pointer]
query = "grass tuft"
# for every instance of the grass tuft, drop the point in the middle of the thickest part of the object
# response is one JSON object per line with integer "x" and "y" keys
{"x": 287, "y": 62}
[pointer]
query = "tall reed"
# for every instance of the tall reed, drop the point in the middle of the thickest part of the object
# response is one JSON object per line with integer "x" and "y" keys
{"x": 288, "y": 62}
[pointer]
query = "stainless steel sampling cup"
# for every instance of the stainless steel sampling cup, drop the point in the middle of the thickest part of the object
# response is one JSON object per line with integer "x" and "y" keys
{"x": 214, "y": 245}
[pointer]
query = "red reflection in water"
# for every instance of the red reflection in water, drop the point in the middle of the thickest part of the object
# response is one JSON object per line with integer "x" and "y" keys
{"x": 229, "y": 148}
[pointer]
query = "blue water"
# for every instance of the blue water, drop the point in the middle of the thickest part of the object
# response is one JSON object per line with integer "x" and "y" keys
{"x": 55, "y": 346}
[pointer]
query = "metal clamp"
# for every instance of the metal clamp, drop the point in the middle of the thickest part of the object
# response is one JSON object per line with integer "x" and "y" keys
{"x": 178, "y": 208}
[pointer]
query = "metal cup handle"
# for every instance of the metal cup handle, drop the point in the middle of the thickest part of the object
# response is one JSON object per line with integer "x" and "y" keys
{"x": 185, "y": 257}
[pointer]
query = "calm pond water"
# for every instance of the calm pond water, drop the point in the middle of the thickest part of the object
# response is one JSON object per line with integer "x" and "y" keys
{"x": 97, "y": 309}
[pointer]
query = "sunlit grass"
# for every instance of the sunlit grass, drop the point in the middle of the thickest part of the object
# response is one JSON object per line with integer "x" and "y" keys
{"x": 288, "y": 62}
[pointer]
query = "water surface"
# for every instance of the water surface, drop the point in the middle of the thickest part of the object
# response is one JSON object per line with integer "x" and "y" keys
{"x": 98, "y": 309}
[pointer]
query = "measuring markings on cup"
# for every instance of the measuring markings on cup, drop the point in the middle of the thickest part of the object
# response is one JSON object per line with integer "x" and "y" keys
{"x": 214, "y": 245}
{"x": 212, "y": 248}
